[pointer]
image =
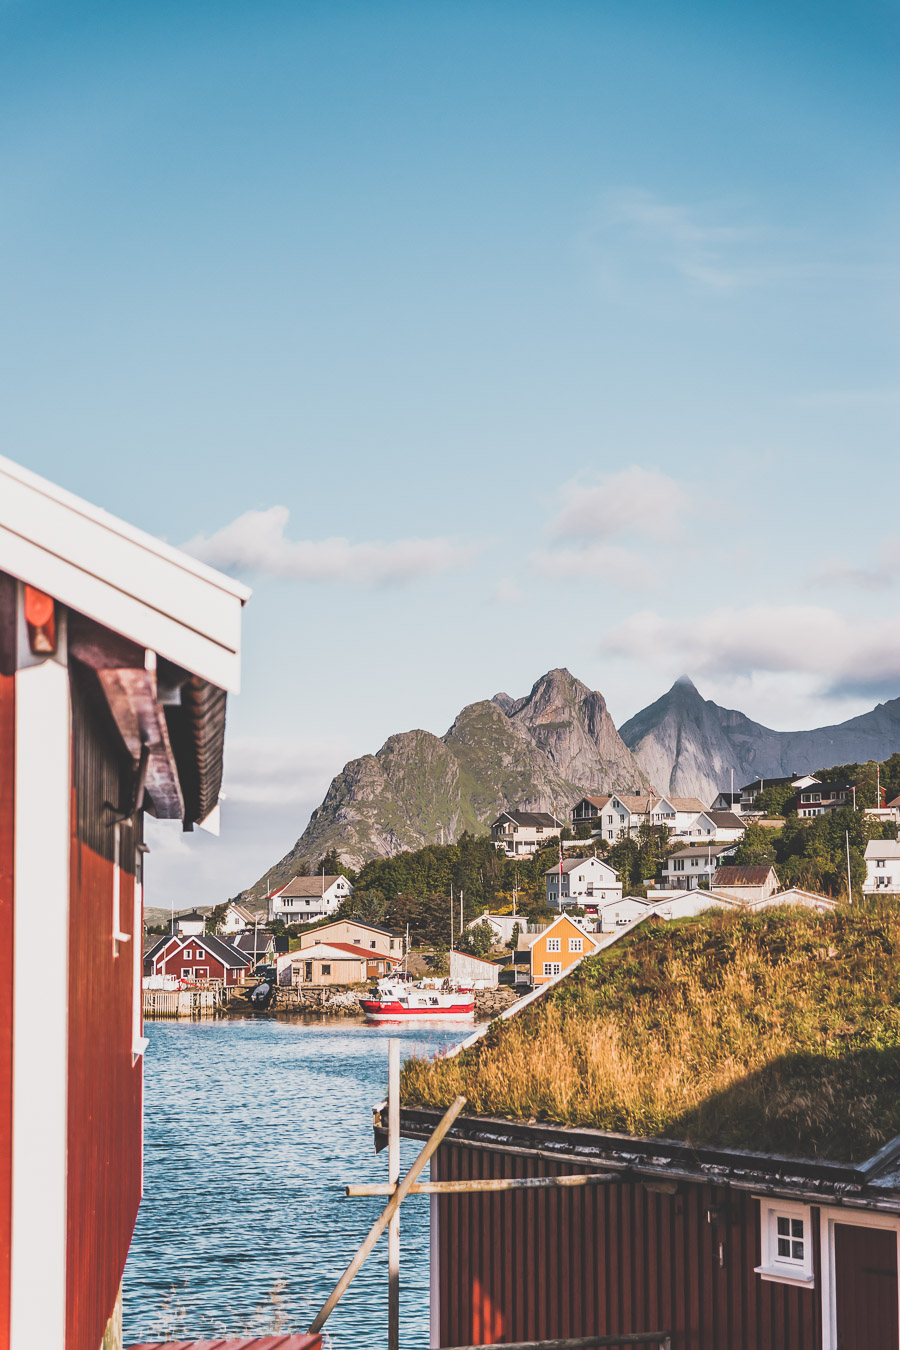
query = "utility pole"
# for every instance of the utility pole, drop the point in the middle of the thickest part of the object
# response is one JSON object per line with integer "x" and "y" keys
{"x": 849, "y": 885}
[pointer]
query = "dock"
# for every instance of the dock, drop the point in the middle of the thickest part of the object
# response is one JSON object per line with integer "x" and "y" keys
{"x": 162, "y": 1003}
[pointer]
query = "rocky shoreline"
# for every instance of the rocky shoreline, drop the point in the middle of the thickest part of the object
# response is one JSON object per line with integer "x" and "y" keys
{"x": 324, "y": 1001}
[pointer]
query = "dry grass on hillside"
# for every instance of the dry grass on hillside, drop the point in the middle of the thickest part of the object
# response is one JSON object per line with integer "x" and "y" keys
{"x": 778, "y": 1032}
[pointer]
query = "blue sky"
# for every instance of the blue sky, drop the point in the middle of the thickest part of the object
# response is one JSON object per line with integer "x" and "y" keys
{"x": 479, "y": 338}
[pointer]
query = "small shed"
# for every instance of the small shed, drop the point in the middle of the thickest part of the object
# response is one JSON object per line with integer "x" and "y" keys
{"x": 472, "y": 972}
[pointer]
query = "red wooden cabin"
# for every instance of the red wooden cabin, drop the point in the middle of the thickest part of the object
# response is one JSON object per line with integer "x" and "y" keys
{"x": 116, "y": 653}
{"x": 198, "y": 958}
{"x": 724, "y": 1250}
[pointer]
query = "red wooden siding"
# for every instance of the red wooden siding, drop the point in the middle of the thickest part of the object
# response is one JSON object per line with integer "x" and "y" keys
{"x": 7, "y": 803}
{"x": 105, "y": 1087}
{"x": 615, "y": 1257}
{"x": 173, "y": 964}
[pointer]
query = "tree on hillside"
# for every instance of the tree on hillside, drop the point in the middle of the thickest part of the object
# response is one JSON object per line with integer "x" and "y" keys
{"x": 216, "y": 917}
{"x": 778, "y": 800}
{"x": 477, "y": 940}
{"x": 332, "y": 866}
{"x": 514, "y": 936}
{"x": 755, "y": 848}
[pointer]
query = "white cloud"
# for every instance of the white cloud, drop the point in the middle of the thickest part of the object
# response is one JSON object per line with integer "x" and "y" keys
{"x": 698, "y": 250}
{"x": 844, "y": 653}
{"x": 620, "y": 566}
{"x": 632, "y": 501}
{"x": 261, "y": 770}
{"x": 256, "y": 542}
{"x": 506, "y": 592}
{"x": 879, "y": 577}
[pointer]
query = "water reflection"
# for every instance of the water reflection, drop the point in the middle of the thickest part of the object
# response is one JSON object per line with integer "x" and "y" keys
{"x": 251, "y": 1129}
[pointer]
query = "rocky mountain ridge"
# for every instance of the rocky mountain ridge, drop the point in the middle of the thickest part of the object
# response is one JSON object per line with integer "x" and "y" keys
{"x": 690, "y": 746}
{"x": 547, "y": 749}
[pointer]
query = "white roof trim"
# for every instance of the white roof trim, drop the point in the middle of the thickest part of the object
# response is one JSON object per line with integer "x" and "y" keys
{"x": 121, "y": 577}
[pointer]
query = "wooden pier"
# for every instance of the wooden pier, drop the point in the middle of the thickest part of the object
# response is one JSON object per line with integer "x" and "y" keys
{"x": 160, "y": 1003}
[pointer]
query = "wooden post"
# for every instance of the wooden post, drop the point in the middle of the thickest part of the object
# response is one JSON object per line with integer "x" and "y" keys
{"x": 393, "y": 1178}
{"x": 385, "y": 1217}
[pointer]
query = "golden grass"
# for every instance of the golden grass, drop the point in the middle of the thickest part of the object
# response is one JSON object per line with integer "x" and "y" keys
{"x": 778, "y": 1032}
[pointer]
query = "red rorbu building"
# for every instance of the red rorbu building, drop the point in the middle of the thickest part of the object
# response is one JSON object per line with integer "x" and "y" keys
{"x": 116, "y": 653}
{"x": 197, "y": 958}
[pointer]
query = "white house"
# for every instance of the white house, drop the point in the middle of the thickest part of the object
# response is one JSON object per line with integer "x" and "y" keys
{"x": 520, "y": 833}
{"x": 624, "y": 813}
{"x": 238, "y": 917}
{"x": 718, "y": 827}
{"x": 305, "y": 899}
{"x": 684, "y": 869}
{"x": 587, "y": 882}
{"x": 501, "y": 924}
{"x": 747, "y": 883}
{"x": 620, "y": 912}
{"x": 882, "y": 867}
{"x": 192, "y": 924}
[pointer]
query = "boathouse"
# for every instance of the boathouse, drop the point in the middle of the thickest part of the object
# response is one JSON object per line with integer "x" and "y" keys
{"x": 709, "y": 1118}
{"x": 116, "y": 653}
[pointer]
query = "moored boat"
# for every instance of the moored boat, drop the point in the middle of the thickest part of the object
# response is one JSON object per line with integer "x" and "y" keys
{"x": 394, "y": 1000}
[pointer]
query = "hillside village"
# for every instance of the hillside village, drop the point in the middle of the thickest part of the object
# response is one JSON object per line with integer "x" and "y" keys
{"x": 522, "y": 904}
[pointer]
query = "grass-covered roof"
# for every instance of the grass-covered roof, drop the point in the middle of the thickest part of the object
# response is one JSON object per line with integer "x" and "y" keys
{"x": 777, "y": 1032}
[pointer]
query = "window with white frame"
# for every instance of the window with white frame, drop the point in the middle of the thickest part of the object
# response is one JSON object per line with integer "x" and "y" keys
{"x": 786, "y": 1252}
{"x": 576, "y": 944}
{"x": 553, "y": 945}
{"x": 552, "y": 968}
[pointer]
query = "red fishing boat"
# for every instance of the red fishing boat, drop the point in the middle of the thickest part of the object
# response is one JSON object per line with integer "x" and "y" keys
{"x": 395, "y": 1000}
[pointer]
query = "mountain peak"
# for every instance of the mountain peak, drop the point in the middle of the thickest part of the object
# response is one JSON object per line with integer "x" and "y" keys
{"x": 684, "y": 682}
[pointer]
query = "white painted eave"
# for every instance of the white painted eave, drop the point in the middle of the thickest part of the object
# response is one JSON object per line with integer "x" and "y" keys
{"x": 120, "y": 576}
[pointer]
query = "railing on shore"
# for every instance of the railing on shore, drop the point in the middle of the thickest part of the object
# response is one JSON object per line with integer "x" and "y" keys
{"x": 158, "y": 1003}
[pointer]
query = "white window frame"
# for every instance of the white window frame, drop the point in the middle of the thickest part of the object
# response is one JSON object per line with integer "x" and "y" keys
{"x": 829, "y": 1215}
{"x": 552, "y": 968}
{"x": 783, "y": 1270}
{"x": 576, "y": 944}
{"x": 554, "y": 944}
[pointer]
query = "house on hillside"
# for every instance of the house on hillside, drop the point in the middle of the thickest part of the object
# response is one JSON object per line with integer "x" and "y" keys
{"x": 686, "y": 868}
{"x": 748, "y": 1225}
{"x": 502, "y": 925}
{"x": 720, "y": 827}
{"x": 619, "y": 913}
{"x": 746, "y": 883}
{"x": 198, "y": 958}
{"x": 520, "y": 833}
{"x": 116, "y": 656}
{"x": 586, "y": 882}
{"x": 238, "y": 917}
{"x": 557, "y": 948}
{"x": 189, "y": 924}
{"x": 624, "y": 813}
{"x": 370, "y": 936}
{"x": 750, "y": 791}
{"x": 327, "y": 963}
{"x": 817, "y": 799}
{"x": 306, "y": 899}
{"x": 727, "y": 801}
{"x": 882, "y": 867}
{"x": 588, "y": 810}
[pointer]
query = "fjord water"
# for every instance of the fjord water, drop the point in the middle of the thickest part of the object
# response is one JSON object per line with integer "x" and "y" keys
{"x": 251, "y": 1129}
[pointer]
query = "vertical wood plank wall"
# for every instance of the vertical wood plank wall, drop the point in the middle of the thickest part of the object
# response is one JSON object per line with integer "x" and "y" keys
{"x": 598, "y": 1260}
{"x": 105, "y": 1087}
{"x": 7, "y": 829}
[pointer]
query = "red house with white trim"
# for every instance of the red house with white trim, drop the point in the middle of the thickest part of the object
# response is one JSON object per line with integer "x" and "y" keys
{"x": 116, "y": 653}
{"x": 197, "y": 958}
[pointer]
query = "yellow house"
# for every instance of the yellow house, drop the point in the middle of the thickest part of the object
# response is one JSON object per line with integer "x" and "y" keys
{"x": 558, "y": 948}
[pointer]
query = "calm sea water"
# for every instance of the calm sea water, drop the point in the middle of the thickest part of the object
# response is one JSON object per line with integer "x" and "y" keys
{"x": 252, "y": 1127}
